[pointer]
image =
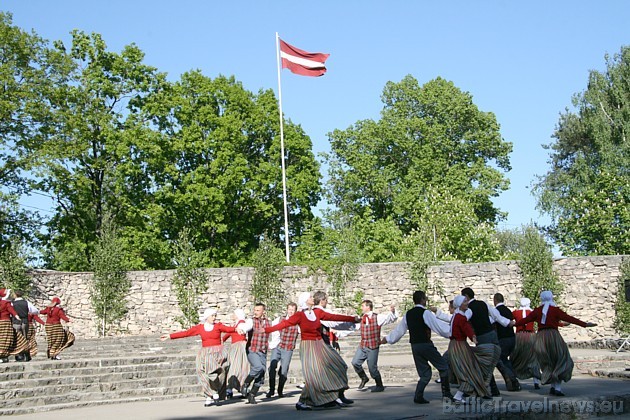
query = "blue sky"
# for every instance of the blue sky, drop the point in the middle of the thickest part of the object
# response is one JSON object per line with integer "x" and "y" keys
{"x": 521, "y": 60}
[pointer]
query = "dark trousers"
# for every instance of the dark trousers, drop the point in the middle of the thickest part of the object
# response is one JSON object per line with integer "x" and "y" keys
{"x": 258, "y": 366}
{"x": 371, "y": 355}
{"x": 423, "y": 354}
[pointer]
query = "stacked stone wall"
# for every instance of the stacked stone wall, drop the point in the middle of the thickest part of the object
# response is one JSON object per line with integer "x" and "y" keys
{"x": 590, "y": 292}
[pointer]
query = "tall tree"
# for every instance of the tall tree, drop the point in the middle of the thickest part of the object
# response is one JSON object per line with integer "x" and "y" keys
{"x": 429, "y": 138}
{"x": 587, "y": 190}
{"x": 26, "y": 75}
{"x": 218, "y": 173}
{"x": 91, "y": 130}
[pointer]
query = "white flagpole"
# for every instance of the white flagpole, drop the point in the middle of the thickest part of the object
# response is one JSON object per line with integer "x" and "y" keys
{"x": 284, "y": 178}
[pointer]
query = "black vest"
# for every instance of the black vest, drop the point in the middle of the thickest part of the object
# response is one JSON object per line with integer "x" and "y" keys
{"x": 21, "y": 307}
{"x": 505, "y": 332}
{"x": 480, "y": 320}
{"x": 418, "y": 330}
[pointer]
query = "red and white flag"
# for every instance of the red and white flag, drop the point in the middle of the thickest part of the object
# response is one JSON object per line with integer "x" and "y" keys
{"x": 301, "y": 62}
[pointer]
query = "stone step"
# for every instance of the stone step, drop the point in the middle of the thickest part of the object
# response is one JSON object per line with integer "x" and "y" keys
{"x": 81, "y": 399}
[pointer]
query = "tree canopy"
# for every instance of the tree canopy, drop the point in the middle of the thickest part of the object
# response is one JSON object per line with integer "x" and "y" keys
{"x": 587, "y": 189}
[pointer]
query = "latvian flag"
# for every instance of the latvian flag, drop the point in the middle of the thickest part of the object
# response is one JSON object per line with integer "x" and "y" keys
{"x": 301, "y": 62}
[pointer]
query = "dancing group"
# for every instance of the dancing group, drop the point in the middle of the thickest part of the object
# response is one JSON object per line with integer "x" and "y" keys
{"x": 542, "y": 355}
{"x": 18, "y": 325}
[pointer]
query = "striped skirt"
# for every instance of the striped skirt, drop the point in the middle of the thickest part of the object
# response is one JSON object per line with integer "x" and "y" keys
{"x": 32, "y": 340}
{"x": 58, "y": 339}
{"x": 238, "y": 365}
{"x": 211, "y": 366}
{"x": 554, "y": 357}
{"x": 11, "y": 342}
{"x": 488, "y": 355}
{"x": 325, "y": 373}
{"x": 523, "y": 358}
{"x": 465, "y": 365}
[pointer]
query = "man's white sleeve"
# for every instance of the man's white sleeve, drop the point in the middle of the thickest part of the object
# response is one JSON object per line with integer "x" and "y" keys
{"x": 397, "y": 333}
{"x": 495, "y": 316}
{"x": 439, "y": 327}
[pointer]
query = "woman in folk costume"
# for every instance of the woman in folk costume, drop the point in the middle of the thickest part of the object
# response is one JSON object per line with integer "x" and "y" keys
{"x": 463, "y": 360}
{"x": 324, "y": 370}
{"x": 11, "y": 342}
{"x": 523, "y": 358}
{"x": 32, "y": 333}
{"x": 211, "y": 363}
{"x": 552, "y": 352}
{"x": 237, "y": 355}
{"x": 57, "y": 337}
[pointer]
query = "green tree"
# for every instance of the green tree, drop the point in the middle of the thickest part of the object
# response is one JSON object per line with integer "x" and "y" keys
{"x": 622, "y": 307}
{"x": 110, "y": 284}
{"x": 430, "y": 140}
{"x": 219, "y": 165}
{"x": 13, "y": 269}
{"x": 25, "y": 76}
{"x": 587, "y": 190}
{"x": 536, "y": 263}
{"x": 91, "y": 129}
{"x": 190, "y": 280}
{"x": 268, "y": 263}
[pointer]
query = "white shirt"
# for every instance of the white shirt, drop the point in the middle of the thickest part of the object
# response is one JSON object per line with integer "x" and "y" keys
{"x": 494, "y": 315}
{"x": 274, "y": 339}
{"x": 447, "y": 317}
{"x": 429, "y": 319}
{"x": 336, "y": 325}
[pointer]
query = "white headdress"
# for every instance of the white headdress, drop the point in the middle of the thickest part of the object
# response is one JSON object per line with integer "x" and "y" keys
{"x": 207, "y": 314}
{"x": 525, "y": 306}
{"x": 303, "y": 300}
{"x": 546, "y": 298}
{"x": 240, "y": 314}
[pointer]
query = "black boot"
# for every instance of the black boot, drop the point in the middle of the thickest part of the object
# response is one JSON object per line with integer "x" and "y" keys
{"x": 494, "y": 389}
{"x": 364, "y": 378}
{"x": 281, "y": 381}
{"x": 272, "y": 386}
{"x": 511, "y": 383}
{"x": 343, "y": 398}
{"x": 446, "y": 388}
{"x": 251, "y": 397}
{"x": 379, "y": 385}
{"x": 246, "y": 384}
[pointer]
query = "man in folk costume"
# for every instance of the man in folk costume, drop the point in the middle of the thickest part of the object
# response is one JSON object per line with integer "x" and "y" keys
{"x": 552, "y": 352}
{"x": 483, "y": 315}
{"x": 368, "y": 349}
{"x": 524, "y": 360}
{"x": 282, "y": 345}
{"x": 420, "y": 322}
{"x": 507, "y": 341}
{"x": 23, "y": 308}
{"x": 257, "y": 346}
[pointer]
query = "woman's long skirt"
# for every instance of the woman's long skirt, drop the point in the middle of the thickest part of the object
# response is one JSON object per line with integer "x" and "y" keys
{"x": 488, "y": 355}
{"x": 523, "y": 358}
{"x": 11, "y": 341}
{"x": 212, "y": 366}
{"x": 238, "y": 365}
{"x": 465, "y": 365}
{"x": 32, "y": 340}
{"x": 58, "y": 339}
{"x": 325, "y": 373}
{"x": 554, "y": 357}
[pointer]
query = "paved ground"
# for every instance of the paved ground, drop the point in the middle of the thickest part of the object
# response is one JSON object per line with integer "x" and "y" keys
{"x": 585, "y": 395}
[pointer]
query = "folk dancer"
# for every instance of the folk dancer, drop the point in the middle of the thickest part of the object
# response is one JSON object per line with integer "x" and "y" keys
{"x": 368, "y": 349}
{"x": 507, "y": 341}
{"x": 465, "y": 360}
{"x": 552, "y": 352}
{"x": 489, "y": 351}
{"x": 10, "y": 342}
{"x": 238, "y": 365}
{"x": 524, "y": 360}
{"x": 257, "y": 346}
{"x": 24, "y": 310}
{"x": 57, "y": 336}
{"x": 282, "y": 344}
{"x": 211, "y": 362}
{"x": 420, "y": 322}
{"x": 324, "y": 370}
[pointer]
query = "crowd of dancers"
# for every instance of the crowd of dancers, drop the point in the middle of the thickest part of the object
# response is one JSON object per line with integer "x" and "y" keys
{"x": 18, "y": 326}
{"x": 534, "y": 350}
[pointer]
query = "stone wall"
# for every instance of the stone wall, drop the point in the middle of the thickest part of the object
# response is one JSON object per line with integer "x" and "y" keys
{"x": 590, "y": 292}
